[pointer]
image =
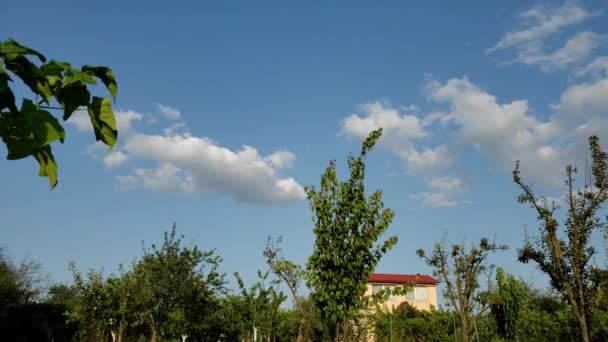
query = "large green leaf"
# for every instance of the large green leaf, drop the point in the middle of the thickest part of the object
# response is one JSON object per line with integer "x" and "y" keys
{"x": 106, "y": 75}
{"x": 11, "y": 47}
{"x": 48, "y": 166}
{"x": 31, "y": 75}
{"x": 17, "y": 136}
{"x": 74, "y": 75}
{"x": 103, "y": 120}
{"x": 43, "y": 125}
{"x": 72, "y": 96}
{"x": 55, "y": 68}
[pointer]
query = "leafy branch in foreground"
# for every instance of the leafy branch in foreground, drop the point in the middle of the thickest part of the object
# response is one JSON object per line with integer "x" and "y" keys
{"x": 30, "y": 130}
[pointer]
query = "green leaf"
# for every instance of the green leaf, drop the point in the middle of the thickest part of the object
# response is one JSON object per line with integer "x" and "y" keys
{"x": 17, "y": 136}
{"x": 11, "y": 47}
{"x": 7, "y": 98}
{"x": 48, "y": 166}
{"x": 31, "y": 75}
{"x": 43, "y": 125}
{"x": 106, "y": 75}
{"x": 103, "y": 120}
{"x": 74, "y": 75}
{"x": 55, "y": 68}
{"x": 71, "y": 96}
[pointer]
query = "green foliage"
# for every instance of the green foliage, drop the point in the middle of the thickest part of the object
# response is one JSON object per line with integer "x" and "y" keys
{"x": 31, "y": 130}
{"x": 409, "y": 324}
{"x": 459, "y": 269}
{"x": 566, "y": 256}
{"x": 347, "y": 226}
{"x": 507, "y": 304}
{"x": 260, "y": 307}
{"x": 177, "y": 288}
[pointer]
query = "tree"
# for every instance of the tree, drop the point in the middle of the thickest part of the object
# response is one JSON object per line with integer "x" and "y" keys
{"x": 19, "y": 283}
{"x": 565, "y": 256}
{"x": 459, "y": 269}
{"x": 31, "y": 129}
{"x": 507, "y": 304}
{"x": 102, "y": 307}
{"x": 176, "y": 291}
{"x": 406, "y": 323}
{"x": 347, "y": 226}
{"x": 292, "y": 275}
{"x": 262, "y": 304}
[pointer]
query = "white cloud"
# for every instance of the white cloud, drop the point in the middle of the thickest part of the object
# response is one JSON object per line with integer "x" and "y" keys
{"x": 193, "y": 164}
{"x": 585, "y": 99}
{"x": 444, "y": 189}
{"x": 400, "y": 131}
{"x": 540, "y": 22}
{"x": 537, "y": 25}
{"x": 114, "y": 159}
{"x": 435, "y": 199}
{"x": 446, "y": 184}
{"x": 169, "y": 112}
{"x": 503, "y": 132}
{"x": 375, "y": 115}
{"x": 167, "y": 177}
{"x": 281, "y": 159}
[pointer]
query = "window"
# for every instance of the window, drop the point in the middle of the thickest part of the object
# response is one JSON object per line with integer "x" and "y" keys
{"x": 418, "y": 293}
{"x": 376, "y": 288}
{"x": 422, "y": 293}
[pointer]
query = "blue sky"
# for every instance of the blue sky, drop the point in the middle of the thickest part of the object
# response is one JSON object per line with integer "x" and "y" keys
{"x": 227, "y": 109}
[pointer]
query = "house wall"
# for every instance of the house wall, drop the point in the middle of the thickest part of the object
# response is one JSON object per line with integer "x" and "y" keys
{"x": 418, "y": 304}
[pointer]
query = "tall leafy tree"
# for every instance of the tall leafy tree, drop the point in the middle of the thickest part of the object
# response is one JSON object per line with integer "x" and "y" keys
{"x": 565, "y": 254}
{"x": 178, "y": 286}
{"x": 460, "y": 268}
{"x": 31, "y": 129}
{"x": 347, "y": 226}
{"x": 507, "y": 304}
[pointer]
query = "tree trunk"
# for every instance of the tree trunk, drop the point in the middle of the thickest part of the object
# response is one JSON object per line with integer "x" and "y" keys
{"x": 154, "y": 337}
{"x": 184, "y": 337}
{"x": 583, "y": 325}
{"x": 300, "y": 337}
{"x": 464, "y": 330}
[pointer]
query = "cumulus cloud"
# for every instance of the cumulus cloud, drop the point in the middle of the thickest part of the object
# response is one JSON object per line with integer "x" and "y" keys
{"x": 585, "y": 99}
{"x": 537, "y": 25}
{"x": 196, "y": 164}
{"x": 443, "y": 191}
{"x": 169, "y": 112}
{"x": 504, "y": 132}
{"x": 189, "y": 164}
{"x": 114, "y": 159}
{"x": 400, "y": 132}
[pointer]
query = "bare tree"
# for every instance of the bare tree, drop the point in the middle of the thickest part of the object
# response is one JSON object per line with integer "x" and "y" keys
{"x": 459, "y": 269}
{"x": 565, "y": 255}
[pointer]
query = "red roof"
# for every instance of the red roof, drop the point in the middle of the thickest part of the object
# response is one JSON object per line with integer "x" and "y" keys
{"x": 402, "y": 279}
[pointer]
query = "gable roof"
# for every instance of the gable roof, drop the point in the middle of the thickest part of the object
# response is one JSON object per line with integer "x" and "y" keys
{"x": 383, "y": 278}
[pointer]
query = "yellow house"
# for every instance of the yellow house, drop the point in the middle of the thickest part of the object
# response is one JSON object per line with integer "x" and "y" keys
{"x": 422, "y": 296}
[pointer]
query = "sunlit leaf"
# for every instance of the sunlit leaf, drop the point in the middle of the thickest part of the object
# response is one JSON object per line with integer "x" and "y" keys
{"x": 103, "y": 120}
